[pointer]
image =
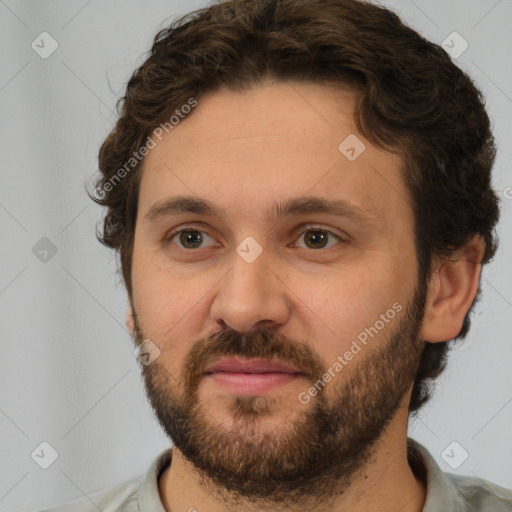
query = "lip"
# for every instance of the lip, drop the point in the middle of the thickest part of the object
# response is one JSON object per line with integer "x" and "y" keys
{"x": 251, "y": 376}
{"x": 254, "y": 365}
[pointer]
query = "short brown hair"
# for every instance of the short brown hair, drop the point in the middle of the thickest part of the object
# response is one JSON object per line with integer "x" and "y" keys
{"x": 412, "y": 99}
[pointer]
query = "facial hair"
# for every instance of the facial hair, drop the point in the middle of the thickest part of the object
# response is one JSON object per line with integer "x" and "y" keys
{"x": 312, "y": 456}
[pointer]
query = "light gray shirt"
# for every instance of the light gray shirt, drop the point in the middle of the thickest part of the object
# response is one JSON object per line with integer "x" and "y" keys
{"x": 446, "y": 492}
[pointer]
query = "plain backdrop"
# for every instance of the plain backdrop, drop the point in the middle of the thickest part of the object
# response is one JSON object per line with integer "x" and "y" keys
{"x": 68, "y": 375}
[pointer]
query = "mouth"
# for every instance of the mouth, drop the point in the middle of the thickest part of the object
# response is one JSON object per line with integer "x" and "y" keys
{"x": 251, "y": 376}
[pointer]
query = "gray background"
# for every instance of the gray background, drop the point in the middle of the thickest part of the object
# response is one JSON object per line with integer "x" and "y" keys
{"x": 68, "y": 375}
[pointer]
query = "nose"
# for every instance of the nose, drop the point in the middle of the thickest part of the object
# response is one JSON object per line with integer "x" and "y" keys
{"x": 250, "y": 296}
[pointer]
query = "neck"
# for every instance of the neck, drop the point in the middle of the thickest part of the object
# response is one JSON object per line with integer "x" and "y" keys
{"x": 387, "y": 483}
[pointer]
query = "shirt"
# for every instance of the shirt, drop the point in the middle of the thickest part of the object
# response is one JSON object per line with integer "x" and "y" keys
{"x": 446, "y": 492}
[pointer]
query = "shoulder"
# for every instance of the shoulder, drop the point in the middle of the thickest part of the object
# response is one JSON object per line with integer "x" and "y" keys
{"x": 139, "y": 493}
{"x": 120, "y": 498}
{"x": 481, "y": 494}
{"x": 456, "y": 493}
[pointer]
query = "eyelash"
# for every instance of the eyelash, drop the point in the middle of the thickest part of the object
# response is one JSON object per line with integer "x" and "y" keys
{"x": 298, "y": 233}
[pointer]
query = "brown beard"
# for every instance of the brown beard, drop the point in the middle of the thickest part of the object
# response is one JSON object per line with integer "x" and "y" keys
{"x": 318, "y": 453}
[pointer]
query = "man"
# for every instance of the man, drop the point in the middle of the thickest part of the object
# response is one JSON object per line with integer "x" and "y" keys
{"x": 300, "y": 195}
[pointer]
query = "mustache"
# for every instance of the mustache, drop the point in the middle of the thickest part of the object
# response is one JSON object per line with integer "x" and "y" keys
{"x": 262, "y": 342}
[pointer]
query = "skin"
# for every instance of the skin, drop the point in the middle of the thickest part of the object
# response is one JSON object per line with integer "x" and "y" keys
{"x": 244, "y": 151}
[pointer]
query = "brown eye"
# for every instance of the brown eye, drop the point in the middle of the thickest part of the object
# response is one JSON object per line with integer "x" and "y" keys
{"x": 191, "y": 239}
{"x": 315, "y": 239}
{"x": 318, "y": 239}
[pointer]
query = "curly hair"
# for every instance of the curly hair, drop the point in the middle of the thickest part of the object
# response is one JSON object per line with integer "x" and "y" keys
{"x": 411, "y": 99}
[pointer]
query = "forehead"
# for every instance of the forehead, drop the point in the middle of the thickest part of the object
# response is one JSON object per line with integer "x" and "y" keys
{"x": 246, "y": 150}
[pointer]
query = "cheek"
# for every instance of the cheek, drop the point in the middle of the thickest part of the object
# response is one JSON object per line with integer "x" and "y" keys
{"x": 167, "y": 307}
{"x": 336, "y": 310}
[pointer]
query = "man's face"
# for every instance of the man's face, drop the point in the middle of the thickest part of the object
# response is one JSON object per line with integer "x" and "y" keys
{"x": 269, "y": 274}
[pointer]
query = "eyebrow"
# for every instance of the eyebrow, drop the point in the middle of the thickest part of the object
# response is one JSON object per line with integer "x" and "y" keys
{"x": 181, "y": 205}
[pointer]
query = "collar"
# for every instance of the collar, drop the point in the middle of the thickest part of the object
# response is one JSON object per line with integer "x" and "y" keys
{"x": 441, "y": 493}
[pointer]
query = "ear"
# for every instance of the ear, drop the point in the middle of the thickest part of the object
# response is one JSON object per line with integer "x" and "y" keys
{"x": 452, "y": 289}
{"x": 130, "y": 321}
